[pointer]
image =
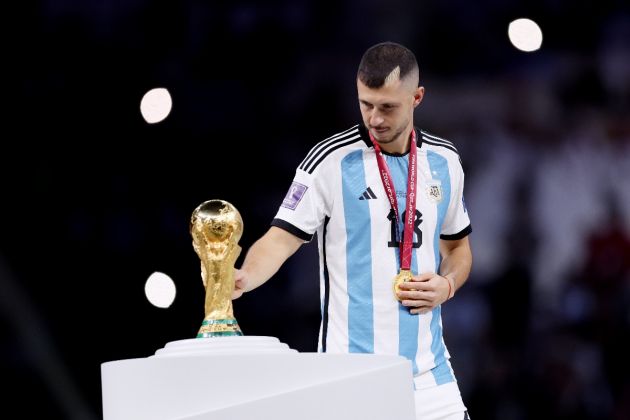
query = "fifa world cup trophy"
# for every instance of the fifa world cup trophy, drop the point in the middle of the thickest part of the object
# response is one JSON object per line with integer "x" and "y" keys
{"x": 216, "y": 227}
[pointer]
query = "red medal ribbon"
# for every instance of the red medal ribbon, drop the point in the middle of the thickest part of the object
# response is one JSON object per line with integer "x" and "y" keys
{"x": 407, "y": 240}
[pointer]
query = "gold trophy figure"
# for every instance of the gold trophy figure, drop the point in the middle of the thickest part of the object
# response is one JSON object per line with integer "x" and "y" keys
{"x": 216, "y": 227}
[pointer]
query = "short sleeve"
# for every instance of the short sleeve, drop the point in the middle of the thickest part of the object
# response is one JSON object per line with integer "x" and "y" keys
{"x": 457, "y": 222}
{"x": 304, "y": 207}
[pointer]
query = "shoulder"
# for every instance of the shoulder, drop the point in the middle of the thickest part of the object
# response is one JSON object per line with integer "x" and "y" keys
{"x": 439, "y": 145}
{"x": 334, "y": 147}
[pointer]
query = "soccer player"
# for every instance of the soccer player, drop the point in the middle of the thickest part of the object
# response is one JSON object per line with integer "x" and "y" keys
{"x": 386, "y": 201}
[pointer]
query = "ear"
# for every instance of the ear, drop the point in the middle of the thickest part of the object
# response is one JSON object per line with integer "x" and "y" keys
{"x": 418, "y": 95}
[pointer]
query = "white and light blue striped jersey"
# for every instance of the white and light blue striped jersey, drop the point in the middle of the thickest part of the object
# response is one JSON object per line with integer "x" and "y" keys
{"x": 338, "y": 193}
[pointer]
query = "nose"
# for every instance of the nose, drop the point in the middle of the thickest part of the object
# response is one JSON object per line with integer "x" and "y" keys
{"x": 375, "y": 119}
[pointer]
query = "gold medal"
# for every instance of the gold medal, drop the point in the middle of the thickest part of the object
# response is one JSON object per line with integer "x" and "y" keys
{"x": 402, "y": 276}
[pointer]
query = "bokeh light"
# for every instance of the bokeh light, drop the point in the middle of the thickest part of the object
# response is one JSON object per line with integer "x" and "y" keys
{"x": 525, "y": 34}
{"x": 156, "y": 104}
{"x": 160, "y": 290}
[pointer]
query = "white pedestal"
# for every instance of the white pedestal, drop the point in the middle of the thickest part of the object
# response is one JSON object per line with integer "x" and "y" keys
{"x": 234, "y": 378}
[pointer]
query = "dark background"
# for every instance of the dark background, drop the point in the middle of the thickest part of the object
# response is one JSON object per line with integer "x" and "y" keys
{"x": 94, "y": 199}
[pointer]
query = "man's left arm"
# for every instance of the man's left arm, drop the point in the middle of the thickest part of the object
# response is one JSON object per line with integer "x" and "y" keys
{"x": 456, "y": 261}
{"x": 428, "y": 290}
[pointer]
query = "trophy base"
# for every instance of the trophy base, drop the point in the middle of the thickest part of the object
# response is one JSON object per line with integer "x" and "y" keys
{"x": 245, "y": 345}
{"x": 219, "y": 328}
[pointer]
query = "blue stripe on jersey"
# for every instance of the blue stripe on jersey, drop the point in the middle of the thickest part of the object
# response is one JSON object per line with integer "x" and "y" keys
{"x": 407, "y": 323}
{"x": 358, "y": 255}
{"x": 438, "y": 166}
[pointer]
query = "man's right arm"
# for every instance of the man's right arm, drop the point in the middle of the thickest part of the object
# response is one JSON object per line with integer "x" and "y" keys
{"x": 264, "y": 258}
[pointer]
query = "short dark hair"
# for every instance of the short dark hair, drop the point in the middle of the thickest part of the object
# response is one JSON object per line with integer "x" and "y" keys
{"x": 379, "y": 61}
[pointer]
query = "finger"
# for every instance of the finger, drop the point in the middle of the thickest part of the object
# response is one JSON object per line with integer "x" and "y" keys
{"x": 416, "y": 285}
{"x": 407, "y": 285}
{"x": 412, "y": 303}
{"x": 421, "y": 311}
{"x": 416, "y": 295}
{"x": 424, "y": 276}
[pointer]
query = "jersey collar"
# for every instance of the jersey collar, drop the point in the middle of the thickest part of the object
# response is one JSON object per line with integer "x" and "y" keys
{"x": 365, "y": 136}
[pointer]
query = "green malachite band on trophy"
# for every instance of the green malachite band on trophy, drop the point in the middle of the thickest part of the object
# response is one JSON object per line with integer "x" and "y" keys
{"x": 219, "y": 334}
{"x": 219, "y": 321}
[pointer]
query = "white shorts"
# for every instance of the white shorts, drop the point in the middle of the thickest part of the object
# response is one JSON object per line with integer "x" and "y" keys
{"x": 438, "y": 402}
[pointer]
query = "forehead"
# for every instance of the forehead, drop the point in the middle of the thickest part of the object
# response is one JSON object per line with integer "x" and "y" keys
{"x": 390, "y": 92}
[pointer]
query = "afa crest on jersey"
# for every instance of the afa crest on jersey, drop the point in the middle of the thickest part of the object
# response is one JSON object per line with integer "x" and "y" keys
{"x": 434, "y": 190}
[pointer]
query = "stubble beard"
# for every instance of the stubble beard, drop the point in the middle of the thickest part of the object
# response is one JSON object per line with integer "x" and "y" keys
{"x": 393, "y": 138}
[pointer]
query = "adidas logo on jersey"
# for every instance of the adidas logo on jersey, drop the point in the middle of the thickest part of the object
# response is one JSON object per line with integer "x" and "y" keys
{"x": 368, "y": 194}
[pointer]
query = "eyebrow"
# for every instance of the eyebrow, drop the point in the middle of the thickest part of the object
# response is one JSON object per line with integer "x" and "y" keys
{"x": 390, "y": 104}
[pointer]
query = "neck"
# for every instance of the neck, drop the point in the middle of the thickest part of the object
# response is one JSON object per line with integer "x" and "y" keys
{"x": 399, "y": 145}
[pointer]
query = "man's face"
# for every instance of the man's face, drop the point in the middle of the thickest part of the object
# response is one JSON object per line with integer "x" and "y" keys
{"x": 388, "y": 111}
